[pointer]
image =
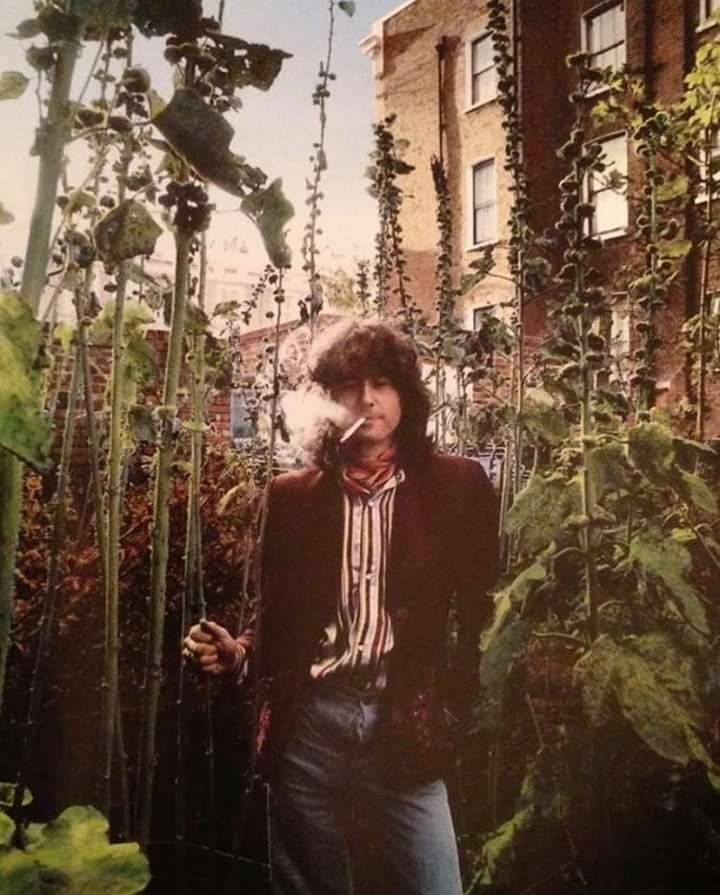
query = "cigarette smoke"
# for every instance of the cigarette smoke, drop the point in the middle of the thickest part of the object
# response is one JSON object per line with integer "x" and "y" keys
{"x": 310, "y": 414}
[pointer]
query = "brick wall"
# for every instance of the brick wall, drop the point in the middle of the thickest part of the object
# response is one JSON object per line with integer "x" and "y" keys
{"x": 661, "y": 37}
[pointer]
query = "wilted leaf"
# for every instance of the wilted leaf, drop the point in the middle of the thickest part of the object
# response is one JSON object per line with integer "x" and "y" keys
{"x": 125, "y": 232}
{"x": 201, "y": 136}
{"x": 270, "y": 210}
{"x": 12, "y": 84}
{"x": 263, "y": 65}
{"x": 27, "y": 29}
{"x": 25, "y": 430}
{"x": 669, "y": 562}
{"x": 540, "y": 510}
{"x": 142, "y": 424}
{"x": 6, "y": 217}
{"x": 347, "y": 6}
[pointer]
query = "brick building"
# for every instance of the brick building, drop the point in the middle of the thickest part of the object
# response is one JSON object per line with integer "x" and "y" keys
{"x": 433, "y": 68}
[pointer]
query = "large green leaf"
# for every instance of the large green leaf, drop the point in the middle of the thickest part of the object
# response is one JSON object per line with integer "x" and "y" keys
{"x": 24, "y": 428}
{"x": 271, "y": 211}
{"x": 607, "y": 469}
{"x": 72, "y": 854}
{"x": 540, "y": 510}
{"x": 513, "y": 597}
{"x": 653, "y": 688}
{"x": 651, "y": 450}
{"x": 543, "y": 418}
{"x": 697, "y": 491}
{"x": 664, "y": 559}
{"x": 498, "y": 853}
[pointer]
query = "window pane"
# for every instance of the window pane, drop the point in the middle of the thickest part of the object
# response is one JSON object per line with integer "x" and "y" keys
{"x": 484, "y": 86}
{"x": 610, "y": 211}
{"x": 605, "y": 37}
{"x": 481, "y": 54}
{"x": 484, "y": 202}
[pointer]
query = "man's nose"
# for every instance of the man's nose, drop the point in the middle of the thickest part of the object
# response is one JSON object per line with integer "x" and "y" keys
{"x": 367, "y": 393}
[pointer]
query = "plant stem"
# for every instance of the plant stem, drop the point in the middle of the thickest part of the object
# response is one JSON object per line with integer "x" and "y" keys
{"x": 53, "y": 137}
{"x": 47, "y": 622}
{"x": 160, "y": 534}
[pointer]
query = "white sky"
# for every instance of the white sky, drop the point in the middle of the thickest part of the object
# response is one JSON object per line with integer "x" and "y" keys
{"x": 274, "y": 130}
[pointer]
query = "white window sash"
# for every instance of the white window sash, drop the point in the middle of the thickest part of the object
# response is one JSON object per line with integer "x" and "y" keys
{"x": 484, "y": 203}
{"x": 481, "y": 71}
{"x": 604, "y": 36}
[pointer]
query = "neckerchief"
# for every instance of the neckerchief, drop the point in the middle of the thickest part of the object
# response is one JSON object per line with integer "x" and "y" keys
{"x": 361, "y": 478}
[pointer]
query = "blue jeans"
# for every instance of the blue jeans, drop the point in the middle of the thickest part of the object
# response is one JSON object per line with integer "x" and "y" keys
{"x": 332, "y": 809}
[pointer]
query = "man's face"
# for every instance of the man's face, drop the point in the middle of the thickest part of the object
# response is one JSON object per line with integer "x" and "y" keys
{"x": 377, "y": 399}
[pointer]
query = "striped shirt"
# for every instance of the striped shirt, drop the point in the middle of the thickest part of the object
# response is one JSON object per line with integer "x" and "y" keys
{"x": 357, "y": 641}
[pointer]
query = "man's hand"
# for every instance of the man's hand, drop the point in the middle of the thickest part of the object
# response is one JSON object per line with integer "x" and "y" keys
{"x": 213, "y": 649}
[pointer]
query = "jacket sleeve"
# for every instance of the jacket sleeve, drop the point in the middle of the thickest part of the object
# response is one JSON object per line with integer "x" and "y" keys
{"x": 478, "y": 564}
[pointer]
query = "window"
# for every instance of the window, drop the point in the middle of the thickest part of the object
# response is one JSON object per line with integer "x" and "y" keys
{"x": 606, "y": 190}
{"x": 604, "y": 36}
{"x": 480, "y": 315}
{"x": 704, "y": 179}
{"x": 484, "y": 198}
{"x": 242, "y": 428}
{"x": 614, "y": 325}
{"x": 708, "y": 8}
{"x": 482, "y": 75}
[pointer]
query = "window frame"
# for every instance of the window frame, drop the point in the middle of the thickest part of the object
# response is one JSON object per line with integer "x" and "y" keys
{"x": 589, "y": 194}
{"x": 701, "y": 196}
{"x": 593, "y": 13}
{"x": 492, "y": 238}
{"x": 471, "y": 74}
{"x": 707, "y": 17}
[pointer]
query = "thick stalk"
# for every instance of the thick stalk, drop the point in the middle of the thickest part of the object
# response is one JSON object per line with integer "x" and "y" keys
{"x": 111, "y": 677}
{"x": 114, "y": 521}
{"x": 47, "y": 622}
{"x": 704, "y": 281}
{"x": 160, "y": 534}
{"x": 257, "y": 556}
{"x": 309, "y": 247}
{"x": 193, "y": 605}
{"x": 583, "y": 324}
{"x": 54, "y": 135}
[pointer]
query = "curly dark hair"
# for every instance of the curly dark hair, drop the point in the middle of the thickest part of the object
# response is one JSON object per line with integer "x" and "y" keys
{"x": 363, "y": 349}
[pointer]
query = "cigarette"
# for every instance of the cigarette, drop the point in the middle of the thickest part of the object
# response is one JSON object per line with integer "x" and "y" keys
{"x": 348, "y": 433}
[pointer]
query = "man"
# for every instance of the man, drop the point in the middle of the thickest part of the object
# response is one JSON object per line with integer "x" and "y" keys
{"x": 363, "y": 554}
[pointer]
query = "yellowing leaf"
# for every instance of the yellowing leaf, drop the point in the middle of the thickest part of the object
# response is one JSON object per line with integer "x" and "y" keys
{"x": 24, "y": 428}
{"x": 12, "y": 84}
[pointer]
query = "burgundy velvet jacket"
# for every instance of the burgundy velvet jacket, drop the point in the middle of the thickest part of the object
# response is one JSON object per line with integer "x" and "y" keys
{"x": 443, "y": 547}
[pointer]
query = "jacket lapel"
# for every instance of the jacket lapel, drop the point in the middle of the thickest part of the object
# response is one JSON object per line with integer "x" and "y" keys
{"x": 410, "y": 547}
